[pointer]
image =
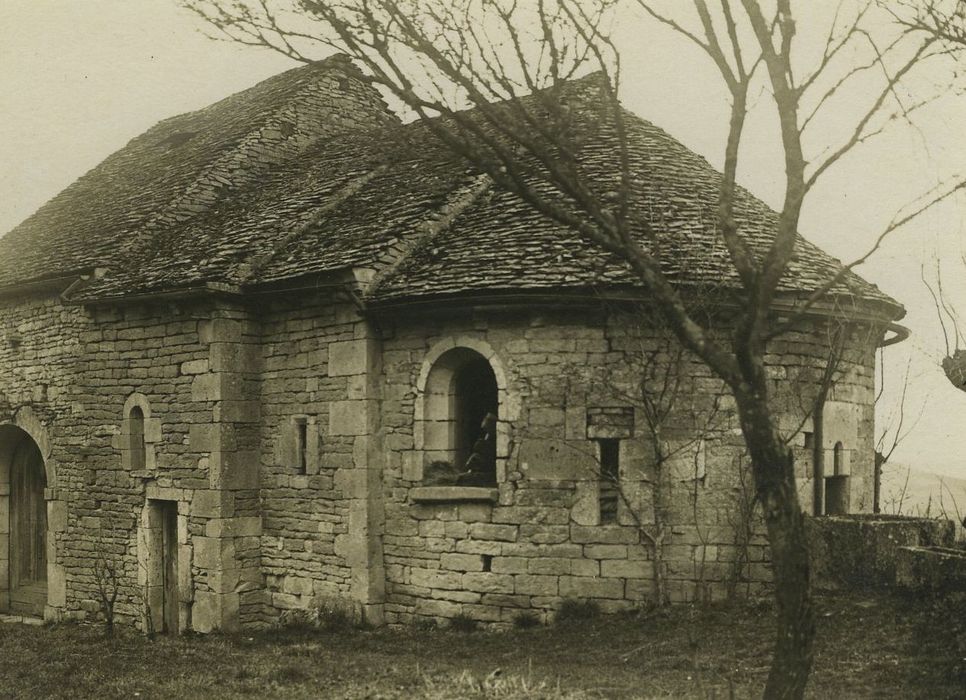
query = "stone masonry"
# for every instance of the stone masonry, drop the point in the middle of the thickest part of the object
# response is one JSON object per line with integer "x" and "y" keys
{"x": 246, "y": 345}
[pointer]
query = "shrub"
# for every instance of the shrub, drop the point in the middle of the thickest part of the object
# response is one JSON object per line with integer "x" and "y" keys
{"x": 578, "y": 610}
{"x": 526, "y": 620}
{"x": 324, "y": 617}
{"x": 425, "y": 624}
{"x": 463, "y": 623}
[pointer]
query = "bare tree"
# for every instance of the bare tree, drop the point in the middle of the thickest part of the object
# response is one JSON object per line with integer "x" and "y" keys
{"x": 658, "y": 379}
{"x": 894, "y": 429}
{"x": 943, "y": 22}
{"x": 437, "y": 57}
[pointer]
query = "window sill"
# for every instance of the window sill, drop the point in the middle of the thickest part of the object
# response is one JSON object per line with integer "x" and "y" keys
{"x": 454, "y": 494}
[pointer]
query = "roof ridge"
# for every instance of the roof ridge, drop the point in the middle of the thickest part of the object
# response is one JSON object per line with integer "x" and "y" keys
{"x": 437, "y": 221}
{"x": 270, "y": 142}
{"x": 221, "y": 175}
{"x": 249, "y": 269}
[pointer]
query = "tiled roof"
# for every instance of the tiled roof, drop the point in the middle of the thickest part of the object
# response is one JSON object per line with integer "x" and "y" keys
{"x": 390, "y": 198}
{"x": 121, "y": 212}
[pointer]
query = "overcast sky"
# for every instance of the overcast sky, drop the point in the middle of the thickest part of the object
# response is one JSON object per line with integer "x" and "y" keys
{"x": 80, "y": 78}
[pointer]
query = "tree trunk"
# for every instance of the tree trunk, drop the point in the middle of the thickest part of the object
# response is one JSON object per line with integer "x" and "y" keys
{"x": 773, "y": 469}
{"x": 661, "y": 597}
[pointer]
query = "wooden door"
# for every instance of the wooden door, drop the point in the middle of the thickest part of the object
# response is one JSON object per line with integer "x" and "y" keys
{"x": 28, "y": 531}
{"x": 169, "y": 566}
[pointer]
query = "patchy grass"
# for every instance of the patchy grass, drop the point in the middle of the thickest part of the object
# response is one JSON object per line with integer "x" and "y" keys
{"x": 869, "y": 646}
{"x": 574, "y": 611}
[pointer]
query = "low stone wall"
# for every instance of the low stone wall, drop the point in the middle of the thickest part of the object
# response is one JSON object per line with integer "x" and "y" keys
{"x": 861, "y": 551}
{"x": 940, "y": 569}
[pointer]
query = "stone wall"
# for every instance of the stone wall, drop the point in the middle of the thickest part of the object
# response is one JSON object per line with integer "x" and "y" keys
{"x": 290, "y": 437}
{"x": 185, "y": 365}
{"x": 864, "y": 551}
{"x": 540, "y": 540}
{"x": 320, "y": 436}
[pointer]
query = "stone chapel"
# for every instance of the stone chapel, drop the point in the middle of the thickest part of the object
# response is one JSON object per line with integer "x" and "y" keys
{"x": 245, "y": 362}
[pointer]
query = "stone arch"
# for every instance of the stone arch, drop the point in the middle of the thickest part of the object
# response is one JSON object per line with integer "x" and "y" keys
{"x": 29, "y": 422}
{"x": 31, "y": 581}
{"x": 436, "y": 410}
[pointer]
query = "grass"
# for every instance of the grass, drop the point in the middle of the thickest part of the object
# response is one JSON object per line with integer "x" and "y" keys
{"x": 869, "y": 646}
{"x": 575, "y": 611}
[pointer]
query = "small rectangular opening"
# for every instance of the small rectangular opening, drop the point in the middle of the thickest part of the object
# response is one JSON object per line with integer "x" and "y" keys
{"x": 809, "y": 440}
{"x": 609, "y": 479}
{"x": 301, "y": 444}
{"x": 487, "y": 560}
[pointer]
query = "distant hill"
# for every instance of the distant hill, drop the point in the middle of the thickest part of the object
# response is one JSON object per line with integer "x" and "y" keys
{"x": 910, "y": 491}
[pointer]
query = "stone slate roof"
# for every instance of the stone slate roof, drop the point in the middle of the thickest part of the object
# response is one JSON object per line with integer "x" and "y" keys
{"x": 373, "y": 193}
{"x": 122, "y": 211}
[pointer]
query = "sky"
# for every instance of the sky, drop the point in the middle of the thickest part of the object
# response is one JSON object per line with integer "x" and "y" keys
{"x": 80, "y": 78}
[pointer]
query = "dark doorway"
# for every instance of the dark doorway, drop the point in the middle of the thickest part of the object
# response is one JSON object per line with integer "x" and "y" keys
{"x": 475, "y": 394}
{"x": 162, "y": 566}
{"x": 28, "y": 530}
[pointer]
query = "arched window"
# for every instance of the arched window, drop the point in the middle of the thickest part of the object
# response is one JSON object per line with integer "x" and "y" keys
{"x": 136, "y": 444}
{"x": 459, "y": 422}
{"x": 838, "y": 457}
{"x": 474, "y": 396}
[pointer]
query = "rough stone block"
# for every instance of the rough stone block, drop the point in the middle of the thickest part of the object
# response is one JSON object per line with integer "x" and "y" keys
{"x": 348, "y": 358}
{"x": 536, "y": 585}
{"x": 212, "y": 504}
{"x": 204, "y": 613}
{"x": 213, "y": 553}
{"x": 433, "y": 578}
{"x": 194, "y": 367}
{"x": 348, "y": 417}
{"x": 236, "y": 412}
{"x": 206, "y": 387}
{"x": 509, "y": 565}
{"x": 488, "y": 531}
{"x": 605, "y": 551}
{"x": 580, "y": 587}
{"x": 479, "y": 547}
{"x": 234, "y": 527}
{"x": 461, "y": 562}
{"x": 56, "y": 516}
{"x": 219, "y": 330}
{"x": 56, "y": 586}
{"x": 438, "y": 608}
{"x": 549, "y": 565}
{"x": 616, "y": 568}
{"x": 604, "y": 534}
{"x": 554, "y": 459}
{"x": 502, "y": 600}
{"x": 586, "y": 508}
{"x": 585, "y": 567}
{"x": 486, "y": 582}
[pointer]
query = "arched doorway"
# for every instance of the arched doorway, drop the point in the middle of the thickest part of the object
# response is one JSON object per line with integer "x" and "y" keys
{"x": 22, "y": 469}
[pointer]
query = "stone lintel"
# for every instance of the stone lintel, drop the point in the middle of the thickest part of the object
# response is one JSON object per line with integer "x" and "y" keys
{"x": 454, "y": 494}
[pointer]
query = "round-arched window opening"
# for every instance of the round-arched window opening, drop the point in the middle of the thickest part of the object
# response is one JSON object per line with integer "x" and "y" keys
{"x": 136, "y": 437}
{"x": 475, "y": 396}
{"x": 838, "y": 456}
{"x": 461, "y": 410}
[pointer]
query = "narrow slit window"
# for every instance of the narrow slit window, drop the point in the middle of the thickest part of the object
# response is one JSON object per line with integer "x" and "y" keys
{"x": 136, "y": 434}
{"x": 301, "y": 444}
{"x": 609, "y": 479}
